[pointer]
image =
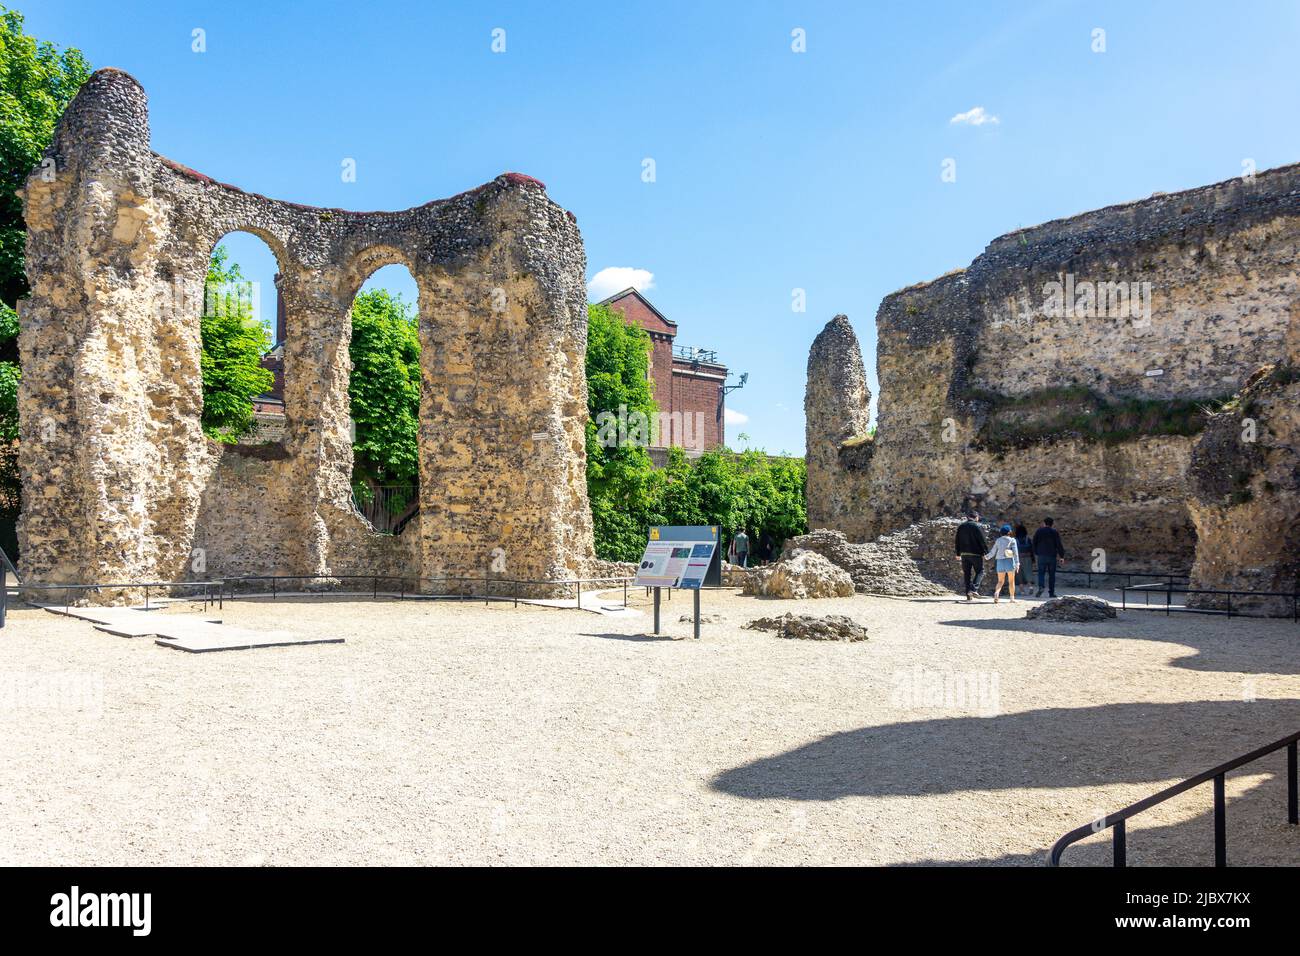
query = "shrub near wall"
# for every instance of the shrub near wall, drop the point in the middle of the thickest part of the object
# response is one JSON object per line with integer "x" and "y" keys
{"x": 750, "y": 489}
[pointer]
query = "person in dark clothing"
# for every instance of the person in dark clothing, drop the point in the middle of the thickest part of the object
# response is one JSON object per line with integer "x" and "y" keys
{"x": 1047, "y": 549}
{"x": 765, "y": 548}
{"x": 971, "y": 548}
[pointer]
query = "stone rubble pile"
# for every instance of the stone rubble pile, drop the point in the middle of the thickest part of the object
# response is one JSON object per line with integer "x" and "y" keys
{"x": 733, "y": 575}
{"x": 1078, "y": 609}
{"x": 705, "y": 618}
{"x": 807, "y": 627}
{"x": 918, "y": 561}
{"x": 803, "y": 574}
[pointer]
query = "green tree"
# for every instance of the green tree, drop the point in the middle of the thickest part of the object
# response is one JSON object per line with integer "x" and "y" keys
{"x": 37, "y": 81}
{"x": 385, "y": 391}
{"x": 622, "y": 485}
{"x": 234, "y": 342}
{"x": 749, "y": 490}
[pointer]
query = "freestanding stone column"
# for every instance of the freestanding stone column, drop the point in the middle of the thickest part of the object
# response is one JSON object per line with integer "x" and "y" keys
{"x": 836, "y": 415}
{"x": 99, "y": 384}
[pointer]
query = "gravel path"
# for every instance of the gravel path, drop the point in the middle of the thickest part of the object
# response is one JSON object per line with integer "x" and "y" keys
{"x": 455, "y": 733}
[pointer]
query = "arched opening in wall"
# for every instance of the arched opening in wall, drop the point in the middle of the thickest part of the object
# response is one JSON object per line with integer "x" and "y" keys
{"x": 243, "y": 331}
{"x": 384, "y": 398}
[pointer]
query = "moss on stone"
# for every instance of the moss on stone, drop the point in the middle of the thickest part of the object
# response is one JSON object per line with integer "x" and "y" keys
{"x": 1075, "y": 412}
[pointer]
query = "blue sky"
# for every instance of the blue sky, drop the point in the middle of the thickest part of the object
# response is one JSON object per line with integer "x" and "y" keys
{"x": 774, "y": 170}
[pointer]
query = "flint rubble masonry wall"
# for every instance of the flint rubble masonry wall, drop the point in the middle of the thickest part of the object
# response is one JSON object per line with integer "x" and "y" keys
{"x": 120, "y": 481}
{"x": 1223, "y": 263}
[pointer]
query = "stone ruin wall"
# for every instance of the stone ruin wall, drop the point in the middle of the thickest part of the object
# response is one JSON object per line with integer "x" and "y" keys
{"x": 121, "y": 484}
{"x": 1224, "y": 266}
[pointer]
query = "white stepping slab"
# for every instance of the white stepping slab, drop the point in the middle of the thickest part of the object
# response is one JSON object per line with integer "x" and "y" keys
{"x": 187, "y": 632}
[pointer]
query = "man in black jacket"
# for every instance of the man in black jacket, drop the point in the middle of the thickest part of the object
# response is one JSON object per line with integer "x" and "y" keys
{"x": 1047, "y": 548}
{"x": 971, "y": 548}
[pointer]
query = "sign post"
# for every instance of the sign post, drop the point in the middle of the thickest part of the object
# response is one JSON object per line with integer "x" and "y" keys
{"x": 680, "y": 556}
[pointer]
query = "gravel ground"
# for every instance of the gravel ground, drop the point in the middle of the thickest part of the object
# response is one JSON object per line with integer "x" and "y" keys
{"x": 458, "y": 733}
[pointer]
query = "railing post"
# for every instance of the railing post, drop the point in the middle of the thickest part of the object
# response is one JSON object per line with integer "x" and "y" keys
{"x": 1292, "y": 785}
{"x": 625, "y": 592}
{"x": 1120, "y": 845}
{"x": 579, "y": 594}
{"x": 1220, "y": 824}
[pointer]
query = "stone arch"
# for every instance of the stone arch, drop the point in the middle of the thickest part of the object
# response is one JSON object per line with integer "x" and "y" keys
{"x": 129, "y": 486}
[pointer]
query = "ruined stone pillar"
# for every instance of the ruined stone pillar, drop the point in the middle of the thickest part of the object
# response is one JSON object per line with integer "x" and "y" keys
{"x": 503, "y": 346}
{"x": 836, "y": 414}
{"x": 97, "y": 385}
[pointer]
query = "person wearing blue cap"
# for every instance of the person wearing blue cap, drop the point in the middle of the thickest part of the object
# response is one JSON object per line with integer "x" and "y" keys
{"x": 1007, "y": 553}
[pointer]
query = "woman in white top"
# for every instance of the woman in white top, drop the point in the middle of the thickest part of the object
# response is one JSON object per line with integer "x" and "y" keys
{"x": 1007, "y": 553}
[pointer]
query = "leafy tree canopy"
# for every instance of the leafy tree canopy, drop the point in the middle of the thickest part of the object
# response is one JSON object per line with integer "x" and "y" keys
{"x": 749, "y": 490}
{"x": 233, "y": 345}
{"x": 384, "y": 391}
{"x": 37, "y": 81}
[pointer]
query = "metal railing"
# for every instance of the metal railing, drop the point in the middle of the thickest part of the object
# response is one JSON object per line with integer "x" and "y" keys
{"x": 1117, "y": 821}
{"x": 67, "y": 590}
{"x": 692, "y": 354}
{"x": 1169, "y": 590}
{"x": 407, "y": 586}
{"x": 399, "y": 586}
{"x": 1169, "y": 577}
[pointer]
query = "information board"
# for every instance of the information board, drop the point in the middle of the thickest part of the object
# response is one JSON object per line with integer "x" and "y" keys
{"x": 677, "y": 557}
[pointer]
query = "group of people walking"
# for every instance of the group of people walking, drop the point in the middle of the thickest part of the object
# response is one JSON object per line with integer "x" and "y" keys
{"x": 1011, "y": 551}
{"x": 739, "y": 552}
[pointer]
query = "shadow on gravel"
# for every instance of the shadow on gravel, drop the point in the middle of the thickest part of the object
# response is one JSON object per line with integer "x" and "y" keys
{"x": 635, "y": 637}
{"x": 1038, "y": 749}
{"x": 1257, "y": 832}
{"x": 1229, "y": 646}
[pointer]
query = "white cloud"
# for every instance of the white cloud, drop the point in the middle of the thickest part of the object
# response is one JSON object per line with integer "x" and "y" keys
{"x": 976, "y": 116}
{"x": 734, "y": 417}
{"x": 613, "y": 279}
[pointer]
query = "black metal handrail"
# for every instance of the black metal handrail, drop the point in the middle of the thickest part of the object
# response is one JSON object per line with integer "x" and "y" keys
{"x": 226, "y": 586}
{"x": 1166, "y": 576}
{"x": 1116, "y": 821}
{"x": 146, "y": 586}
{"x": 1169, "y": 590}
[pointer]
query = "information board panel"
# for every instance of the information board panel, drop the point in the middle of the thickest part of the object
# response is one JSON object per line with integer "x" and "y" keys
{"x": 677, "y": 557}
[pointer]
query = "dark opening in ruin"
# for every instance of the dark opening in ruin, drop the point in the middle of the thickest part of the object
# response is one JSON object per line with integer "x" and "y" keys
{"x": 243, "y": 329}
{"x": 384, "y": 398}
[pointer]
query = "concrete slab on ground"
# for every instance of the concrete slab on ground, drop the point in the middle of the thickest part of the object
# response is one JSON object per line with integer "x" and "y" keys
{"x": 187, "y": 632}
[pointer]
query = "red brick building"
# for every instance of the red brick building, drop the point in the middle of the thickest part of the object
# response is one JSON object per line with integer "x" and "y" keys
{"x": 688, "y": 382}
{"x": 268, "y": 408}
